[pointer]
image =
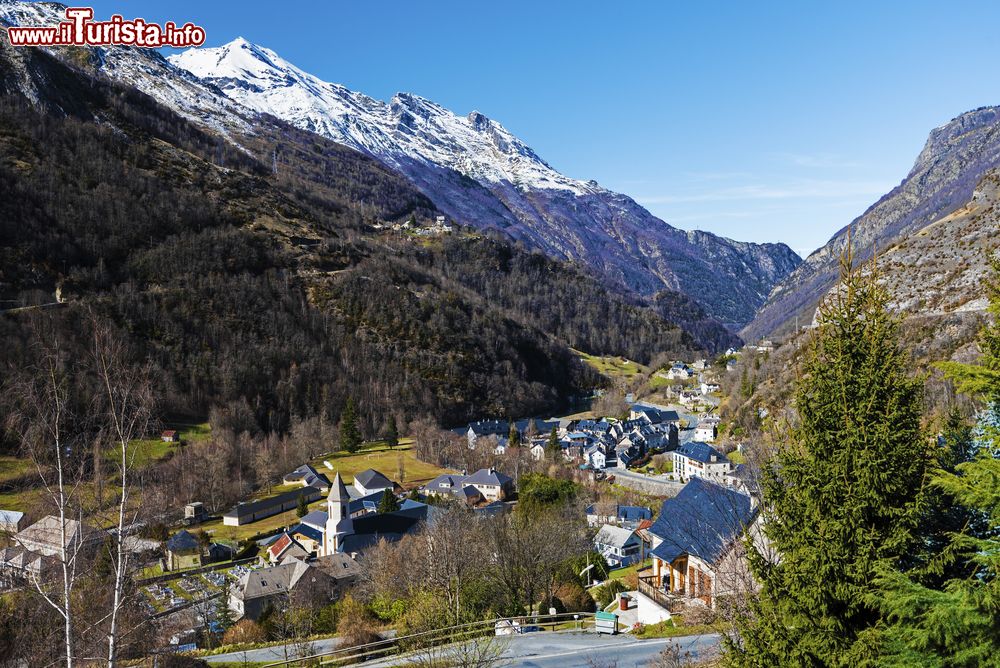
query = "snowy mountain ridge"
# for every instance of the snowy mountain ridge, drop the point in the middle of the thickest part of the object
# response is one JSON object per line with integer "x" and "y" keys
{"x": 407, "y": 126}
{"x": 145, "y": 69}
{"x": 471, "y": 167}
{"x": 479, "y": 173}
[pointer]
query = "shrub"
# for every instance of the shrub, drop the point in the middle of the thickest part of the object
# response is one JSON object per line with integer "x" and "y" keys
{"x": 245, "y": 631}
{"x": 357, "y": 625}
{"x": 574, "y": 598}
{"x": 387, "y": 609}
{"x": 607, "y": 592}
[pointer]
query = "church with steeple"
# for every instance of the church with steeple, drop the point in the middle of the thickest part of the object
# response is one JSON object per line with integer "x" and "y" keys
{"x": 351, "y": 522}
{"x": 339, "y": 524}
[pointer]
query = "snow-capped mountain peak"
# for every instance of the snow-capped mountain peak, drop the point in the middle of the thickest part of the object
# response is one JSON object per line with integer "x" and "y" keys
{"x": 145, "y": 69}
{"x": 479, "y": 173}
{"x": 407, "y": 127}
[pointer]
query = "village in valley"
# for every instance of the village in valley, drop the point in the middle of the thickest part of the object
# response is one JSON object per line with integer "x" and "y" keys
{"x": 666, "y": 501}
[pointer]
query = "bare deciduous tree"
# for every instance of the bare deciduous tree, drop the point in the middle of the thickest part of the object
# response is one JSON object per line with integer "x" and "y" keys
{"x": 128, "y": 401}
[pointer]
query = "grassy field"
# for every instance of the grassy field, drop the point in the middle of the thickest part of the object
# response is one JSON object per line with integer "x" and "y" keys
{"x": 621, "y": 573}
{"x": 676, "y": 627}
{"x": 151, "y": 450}
{"x": 12, "y": 468}
{"x": 614, "y": 367}
{"x": 376, "y": 455}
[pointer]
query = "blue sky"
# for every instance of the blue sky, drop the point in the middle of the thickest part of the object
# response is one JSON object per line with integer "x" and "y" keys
{"x": 776, "y": 121}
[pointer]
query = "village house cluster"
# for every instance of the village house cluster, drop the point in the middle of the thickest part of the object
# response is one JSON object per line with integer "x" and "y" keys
{"x": 692, "y": 544}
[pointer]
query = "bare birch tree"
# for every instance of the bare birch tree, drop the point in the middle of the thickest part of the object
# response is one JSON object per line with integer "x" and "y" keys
{"x": 44, "y": 418}
{"x": 127, "y": 399}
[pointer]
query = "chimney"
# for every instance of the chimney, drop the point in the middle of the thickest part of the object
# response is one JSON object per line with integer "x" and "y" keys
{"x": 492, "y": 470}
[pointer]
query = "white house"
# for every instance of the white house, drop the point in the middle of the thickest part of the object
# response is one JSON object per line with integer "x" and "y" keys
{"x": 370, "y": 481}
{"x": 709, "y": 388}
{"x": 706, "y": 431}
{"x": 679, "y": 371}
{"x": 620, "y": 547}
{"x": 595, "y": 457}
{"x": 700, "y": 460}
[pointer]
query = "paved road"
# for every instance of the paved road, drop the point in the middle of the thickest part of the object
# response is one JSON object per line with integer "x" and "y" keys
{"x": 586, "y": 650}
{"x": 537, "y": 650}
{"x": 271, "y": 653}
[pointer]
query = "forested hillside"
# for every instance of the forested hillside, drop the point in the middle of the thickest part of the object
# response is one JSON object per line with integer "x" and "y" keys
{"x": 255, "y": 276}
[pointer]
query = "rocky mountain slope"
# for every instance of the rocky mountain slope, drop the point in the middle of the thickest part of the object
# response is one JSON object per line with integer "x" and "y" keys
{"x": 925, "y": 227}
{"x": 481, "y": 174}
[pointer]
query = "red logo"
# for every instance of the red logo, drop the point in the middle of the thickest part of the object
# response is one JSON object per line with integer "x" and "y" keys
{"x": 80, "y": 29}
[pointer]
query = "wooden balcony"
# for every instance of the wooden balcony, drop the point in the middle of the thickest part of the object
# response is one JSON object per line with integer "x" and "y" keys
{"x": 668, "y": 601}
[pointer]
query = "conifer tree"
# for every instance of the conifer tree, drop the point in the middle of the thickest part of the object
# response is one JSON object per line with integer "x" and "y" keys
{"x": 552, "y": 448}
{"x": 388, "y": 503}
{"x": 843, "y": 495}
{"x": 350, "y": 438}
{"x": 302, "y": 509}
{"x": 956, "y": 623}
{"x": 391, "y": 433}
{"x": 513, "y": 436}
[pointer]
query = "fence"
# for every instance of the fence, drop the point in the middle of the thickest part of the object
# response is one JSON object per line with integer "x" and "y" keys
{"x": 428, "y": 640}
{"x": 649, "y": 589}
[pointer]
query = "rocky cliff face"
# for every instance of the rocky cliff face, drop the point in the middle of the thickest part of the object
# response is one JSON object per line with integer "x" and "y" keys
{"x": 917, "y": 214}
{"x": 479, "y": 173}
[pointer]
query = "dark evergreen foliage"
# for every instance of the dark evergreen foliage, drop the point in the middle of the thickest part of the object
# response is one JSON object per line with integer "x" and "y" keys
{"x": 842, "y": 498}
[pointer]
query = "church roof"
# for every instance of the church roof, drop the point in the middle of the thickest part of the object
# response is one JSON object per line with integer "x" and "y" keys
{"x": 338, "y": 490}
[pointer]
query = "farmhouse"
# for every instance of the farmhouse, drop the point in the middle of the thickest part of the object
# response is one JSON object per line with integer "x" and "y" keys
{"x": 306, "y": 579}
{"x": 46, "y": 536}
{"x": 489, "y": 484}
{"x": 477, "y": 430}
{"x": 36, "y": 548}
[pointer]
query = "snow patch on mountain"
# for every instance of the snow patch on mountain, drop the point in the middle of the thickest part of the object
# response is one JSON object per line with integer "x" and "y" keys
{"x": 144, "y": 69}
{"x": 408, "y": 126}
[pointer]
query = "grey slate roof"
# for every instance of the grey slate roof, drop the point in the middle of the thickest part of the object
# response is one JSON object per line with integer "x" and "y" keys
{"x": 372, "y": 479}
{"x": 613, "y": 536}
{"x": 315, "y": 519}
{"x": 701, "y": 452}
{"x": 182, "y": 541}
{"x": 703, "y": 520}
{"x": 338, "y": 490}
{"x": 310, "y": 476}
{"x": 488, "y": 477}
{"x": 490, "y": 428}
{"x": 244, "y": 509}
